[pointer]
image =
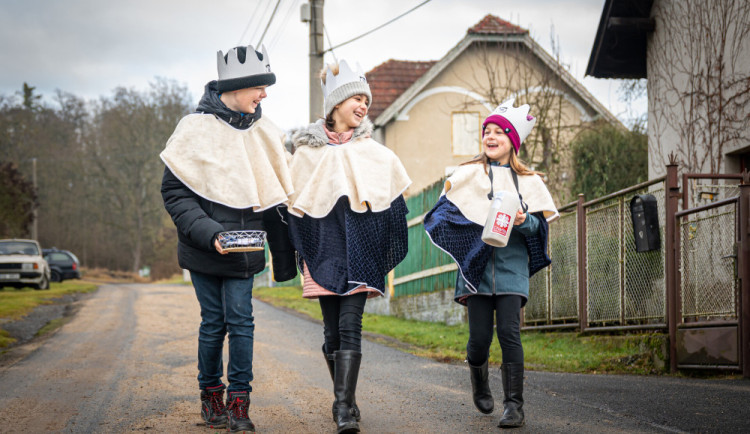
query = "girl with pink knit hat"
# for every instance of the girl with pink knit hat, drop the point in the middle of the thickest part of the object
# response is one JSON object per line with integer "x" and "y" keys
{"x": 494, "y": 281}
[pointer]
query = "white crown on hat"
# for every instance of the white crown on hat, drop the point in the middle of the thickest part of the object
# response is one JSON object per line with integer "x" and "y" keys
{"x": 346, "y": 75}
{"x": 233, "y": 68}
{"x": 517, "y": 116}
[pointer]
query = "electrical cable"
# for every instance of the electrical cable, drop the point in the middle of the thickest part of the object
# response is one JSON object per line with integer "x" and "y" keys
{"x": 255, "y": 32}
{"x": 247, "y": 26}
{"x": 325, "y": 30}
{"x": 280, "y": 30}
{"x": 270, "y": 20}
{"x": 376, "y": 28}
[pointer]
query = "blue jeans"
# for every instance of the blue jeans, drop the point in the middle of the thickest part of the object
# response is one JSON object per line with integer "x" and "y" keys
{"x": 226, "y": 308}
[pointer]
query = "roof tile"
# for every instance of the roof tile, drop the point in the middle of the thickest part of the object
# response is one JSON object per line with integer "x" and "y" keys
{"x": 390, "y": 79}
{"x": 393, "y": 77}
{"x": 491, "y": 24}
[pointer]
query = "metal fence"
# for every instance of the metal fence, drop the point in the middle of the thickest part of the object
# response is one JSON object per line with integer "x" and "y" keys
{"x": 623, "y": 286}
{"x": 708, "y": 237}
{"x": 693, "y": 280}
{"x": 595, "y": 263}
{"x": 553, "y": 292}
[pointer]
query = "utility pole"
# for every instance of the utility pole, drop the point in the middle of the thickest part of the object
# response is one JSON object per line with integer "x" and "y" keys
{"x": 34, "y": 214}
{"x": 312, "y": 13}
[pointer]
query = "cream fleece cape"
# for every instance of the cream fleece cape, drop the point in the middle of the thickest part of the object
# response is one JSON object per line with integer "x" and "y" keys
{"x": 237, "y": 168}
{"x": 363, "y": 170}
{"x": 469, "y": 186}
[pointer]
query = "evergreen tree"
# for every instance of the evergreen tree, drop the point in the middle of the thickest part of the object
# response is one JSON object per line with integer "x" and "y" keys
{"x": 608, "y": 159}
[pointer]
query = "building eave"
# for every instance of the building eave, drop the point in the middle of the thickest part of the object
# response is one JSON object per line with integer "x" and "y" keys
{"x": 619, "y": 49}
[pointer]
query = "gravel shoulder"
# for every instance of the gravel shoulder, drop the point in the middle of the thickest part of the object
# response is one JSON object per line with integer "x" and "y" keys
{"x": 25, "y": 329}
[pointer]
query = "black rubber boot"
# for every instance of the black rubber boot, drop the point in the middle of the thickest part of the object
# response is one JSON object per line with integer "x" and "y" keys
{"x": 344, "y": 386}
{"x": 238, "y": 419}
{"x": 331, "y": 368}
{"x": 480, "y": 388}
{"x": 513, "y": 389}
{"x": 213, "y": 411}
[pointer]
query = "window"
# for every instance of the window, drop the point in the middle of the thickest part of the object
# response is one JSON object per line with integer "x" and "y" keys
{"x": 60, "y": 257}
{"x": 466, "y": 138}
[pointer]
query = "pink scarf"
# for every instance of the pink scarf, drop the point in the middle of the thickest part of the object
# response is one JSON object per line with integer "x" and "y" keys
{"x": 338, "y": 138}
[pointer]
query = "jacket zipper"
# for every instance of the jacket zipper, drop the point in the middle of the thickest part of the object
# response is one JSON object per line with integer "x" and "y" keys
{"x": 244, "y": 254}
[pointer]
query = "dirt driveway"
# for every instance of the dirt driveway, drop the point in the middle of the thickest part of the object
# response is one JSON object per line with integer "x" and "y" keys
{"x": 127, "y": 362}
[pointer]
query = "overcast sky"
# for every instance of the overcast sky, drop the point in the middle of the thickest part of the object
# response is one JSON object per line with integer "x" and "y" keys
{"x": 89, "y": 47}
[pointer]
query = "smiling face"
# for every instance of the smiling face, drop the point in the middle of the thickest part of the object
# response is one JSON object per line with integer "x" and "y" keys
{"x": 349, "y": 114}
{"x": 497, "y": 144}
{"x": 244, "y": 100}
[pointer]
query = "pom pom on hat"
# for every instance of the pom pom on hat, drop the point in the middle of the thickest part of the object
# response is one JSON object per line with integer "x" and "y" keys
{"x": 337, "y": 88}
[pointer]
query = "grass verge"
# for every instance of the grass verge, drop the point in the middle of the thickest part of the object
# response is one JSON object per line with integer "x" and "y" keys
{"x": 176, "y": 279}
{"x": 5, "y": 339}
{"x": 551, "y": 351}
{"x": 52, "y": 326}
{"x": 15, "y": 303}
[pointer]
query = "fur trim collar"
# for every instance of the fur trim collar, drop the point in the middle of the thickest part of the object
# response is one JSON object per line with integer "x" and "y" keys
{"x": 315, "y": 136}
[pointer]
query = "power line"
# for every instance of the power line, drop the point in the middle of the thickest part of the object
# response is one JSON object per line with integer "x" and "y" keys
{"x": 247, "y": 26}
{"x": 279, "y": 30}
{"x": 377, "y": 28}
{"x": 325, "y": 30}
{"x": 270, "y": 20}
{"x": 261, "y": 16}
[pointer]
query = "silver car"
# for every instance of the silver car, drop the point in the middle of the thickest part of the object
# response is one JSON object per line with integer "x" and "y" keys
{"x": 22, "y": 264}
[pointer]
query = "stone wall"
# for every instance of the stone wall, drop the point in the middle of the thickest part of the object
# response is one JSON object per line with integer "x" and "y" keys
{"x": 434, "y": 307}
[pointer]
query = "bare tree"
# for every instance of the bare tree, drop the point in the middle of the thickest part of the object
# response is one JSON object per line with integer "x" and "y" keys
{"x": 130, "y": 130}
{"x": 699, "y": 82}
{"x": 510, "y": 68}
{"x": 98, "y": 171}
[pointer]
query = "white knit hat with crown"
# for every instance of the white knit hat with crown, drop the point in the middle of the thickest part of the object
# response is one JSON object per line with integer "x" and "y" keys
{"x": 347, "y": 83}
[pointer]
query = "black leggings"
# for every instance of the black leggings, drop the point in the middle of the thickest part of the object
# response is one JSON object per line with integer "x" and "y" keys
{"x": 342, "y": 321}
{"x": 508, "y": 313}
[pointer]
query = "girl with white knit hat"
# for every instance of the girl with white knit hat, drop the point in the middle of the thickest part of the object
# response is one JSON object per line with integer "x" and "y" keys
{"x": 494, "y": 281}
{"x": 347, "y": 222}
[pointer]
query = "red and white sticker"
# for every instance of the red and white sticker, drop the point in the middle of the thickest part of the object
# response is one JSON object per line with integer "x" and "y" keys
{"x": 502, "y": 223}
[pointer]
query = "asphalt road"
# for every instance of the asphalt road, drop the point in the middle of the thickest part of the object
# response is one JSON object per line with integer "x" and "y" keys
{"x": 127, "y": 362}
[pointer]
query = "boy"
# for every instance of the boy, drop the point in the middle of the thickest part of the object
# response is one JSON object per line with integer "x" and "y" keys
{"x": 226, "y": 170}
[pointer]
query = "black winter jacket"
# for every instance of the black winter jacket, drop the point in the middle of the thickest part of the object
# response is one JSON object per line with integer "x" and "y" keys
{"x": 199, "y": 220}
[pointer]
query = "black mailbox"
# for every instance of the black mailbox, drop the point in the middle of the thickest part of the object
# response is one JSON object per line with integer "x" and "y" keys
{"x": 645, "y": 214}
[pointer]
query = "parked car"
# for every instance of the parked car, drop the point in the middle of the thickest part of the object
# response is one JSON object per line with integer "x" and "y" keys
{"x": 22, "y": 264}
{"x": 63, "y": 264}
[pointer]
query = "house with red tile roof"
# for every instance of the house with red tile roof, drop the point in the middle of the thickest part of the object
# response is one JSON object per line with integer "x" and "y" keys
{"x": 430, "y": 112}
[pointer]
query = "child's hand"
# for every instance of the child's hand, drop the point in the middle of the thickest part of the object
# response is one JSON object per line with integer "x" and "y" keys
{"x": 218, "y": 247}
{"x": 520, "y": 218}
